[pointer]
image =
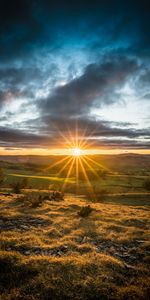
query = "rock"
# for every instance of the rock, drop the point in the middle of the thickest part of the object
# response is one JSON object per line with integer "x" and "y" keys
{"x": 60, "y": 253}
{"x": 97, "y": 249}
{"x": 112, "y": 249}
{"x": 118, "y": 254}
{"x": 46, "y": 252}
{"x": 54, "y": 254}
{"x": 94, "y": 243}
{"x": 37, "y": 252}
{"x": 125, "y": 255}
{"x": 140, "y": 241}
{"x": 86, "y": 239}
{"x": 63, "y": 248}
{"x": 28, "y": 252}
{"x": 24, "y": 227}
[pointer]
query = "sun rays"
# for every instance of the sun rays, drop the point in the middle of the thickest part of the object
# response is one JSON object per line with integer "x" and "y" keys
{"x": 77, "y": 165}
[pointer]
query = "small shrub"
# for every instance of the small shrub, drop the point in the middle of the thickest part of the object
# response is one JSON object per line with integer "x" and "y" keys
{"x": 37, "y": 202}
{"x": 85, "y": 211}
{"x": 19, "y": 185}
{"x": 56, "y": 196}
{"x": 16, "y": 187}
{"x": 53, "y": 196}
{"x": 33, "y": 199}
{"x": 146, "y": 184}
{"x": 46, "y": 197}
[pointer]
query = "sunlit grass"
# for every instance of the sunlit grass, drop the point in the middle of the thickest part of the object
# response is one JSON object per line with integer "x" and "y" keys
{"x": 51, "y": 178}
{"x": 31, "y": 269}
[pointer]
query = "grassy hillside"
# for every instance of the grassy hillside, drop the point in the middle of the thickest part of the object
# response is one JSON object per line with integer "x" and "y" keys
{"x": 110, "y": 174}
{"x": 50, "y": 252}
{"x": 91, "y": 244}
{"x": 125, "y": 163}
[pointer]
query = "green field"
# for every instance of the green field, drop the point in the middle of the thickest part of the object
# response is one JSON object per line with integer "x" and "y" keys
{"x": 38, "y": 177}
{"x": 102, "y": 180}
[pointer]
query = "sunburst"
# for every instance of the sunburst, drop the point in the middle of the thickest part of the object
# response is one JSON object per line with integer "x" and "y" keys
{"x": 77, "y": 162}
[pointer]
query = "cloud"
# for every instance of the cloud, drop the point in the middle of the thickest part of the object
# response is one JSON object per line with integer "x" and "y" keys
{"x": 24, "y": 82}
{"x": 18, "y": 138}
{"x": 95, "y": 86}
{"x": 94, "y": 48}
{"x": 94, "y": 133}
{"x": 122, "y": 144}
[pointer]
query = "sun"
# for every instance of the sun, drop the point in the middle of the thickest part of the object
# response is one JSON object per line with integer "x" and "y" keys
{"x": 77, "y": 152}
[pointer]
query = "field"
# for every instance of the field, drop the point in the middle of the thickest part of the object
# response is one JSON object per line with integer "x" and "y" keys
{"x": 110, "y": 174}
{"x": 52, "y": 249}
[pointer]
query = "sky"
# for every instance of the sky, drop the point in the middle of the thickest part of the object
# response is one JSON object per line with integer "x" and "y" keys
{"x": 74, "y": 70}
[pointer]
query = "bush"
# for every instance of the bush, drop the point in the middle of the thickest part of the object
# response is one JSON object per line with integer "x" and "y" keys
{"x": 19, "y": 185}
{"x": 56, "y": 196}
{"x": 16, "y": 187}
{"x": 146, "y": 184}
{"x": 53, "y": 196}
{"x": 36, "y": 202}
{"x": 33, "y": 199}
{"x": 85, "y": 211}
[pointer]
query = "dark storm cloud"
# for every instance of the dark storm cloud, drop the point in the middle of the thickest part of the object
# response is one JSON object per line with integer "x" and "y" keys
{"x": 95, "y": 86}
{"x": 15, "y": 137}
{"x": 99, "y": 134}
{"x": 58, "y": 127}
{"x": 125, "y": 144}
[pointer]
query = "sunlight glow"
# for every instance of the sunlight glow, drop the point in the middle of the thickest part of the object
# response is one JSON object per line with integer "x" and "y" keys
{"x": 77, "y": 152}
{"x": 77, "y": 165}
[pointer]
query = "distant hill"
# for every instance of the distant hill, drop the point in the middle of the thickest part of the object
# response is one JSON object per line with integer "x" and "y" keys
{"x": 33, "y": 159}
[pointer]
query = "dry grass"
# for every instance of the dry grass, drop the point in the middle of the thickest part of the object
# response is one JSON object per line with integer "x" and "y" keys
{"x": 50, "y": 252}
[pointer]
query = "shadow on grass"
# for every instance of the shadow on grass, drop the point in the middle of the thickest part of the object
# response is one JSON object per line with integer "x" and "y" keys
{"x": 13, "y": 272}
{"x": 138, "y": 200}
